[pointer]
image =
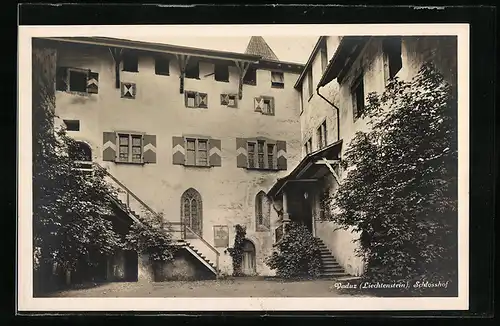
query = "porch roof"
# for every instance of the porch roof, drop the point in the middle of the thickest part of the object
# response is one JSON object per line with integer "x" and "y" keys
{"x": 308, "y": 167}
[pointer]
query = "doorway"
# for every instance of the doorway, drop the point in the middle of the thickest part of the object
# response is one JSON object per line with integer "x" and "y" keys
{"x": 248, "y": 262}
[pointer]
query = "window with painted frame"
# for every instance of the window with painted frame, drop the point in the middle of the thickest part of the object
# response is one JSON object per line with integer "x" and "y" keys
{"x": 130, "y": 147}
{"x": 277, "y": 79}
{"x": 261, "y": 154}
{"x": 197, "y": 152}
{"x": 321, "y": 135}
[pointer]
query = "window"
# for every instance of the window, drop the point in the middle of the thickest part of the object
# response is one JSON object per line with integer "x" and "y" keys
{"x": 310, "y": 83}
{"x": 72, "y": 125}
{"x": 261, "y": 155}
{"x": 193, "y": 70}
{"x": 358, "y": 97}
{"x": 130, "y": 148}
{"x": 196, "y": 99}
{"x": 308, "y": 146}
{"x": 301, "y": 102}
{"x": 392, "y": 53}
{"x": 250, "y": 77}
{"x": 262, "y": 212}
{"x": 264, "y": 105}
{"x": 229, "y": 100}
{"x": 277, "y": 79}
{"x": 191, "y": 209}
{"x": 221, "y": 73}
{"x": 321, "y": 135}
{"x": 162, "y": 66}
{"x": 324, "y": 59}
{"x": 196, "y": 152}
{"x": 130, "y": 62}
{"x": 77, "y": 80}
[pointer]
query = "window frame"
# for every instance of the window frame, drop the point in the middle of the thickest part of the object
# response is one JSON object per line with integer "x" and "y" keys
{"x": 196, "y": 100}
{"x": 72, "y": 122}
{"x": 70, "y": 70}
{"x": 270, "y": 111}
{"x": 310, "y": 83}
{"x": 217, "y": 67}
{"x": 129, "y": 55}
{"x": 321, "y": 135}
{"x": 278, "y": 85}
{"x": 196, "y": 139}
{"x": 250, "y": 82}
{"x": 266, "y": 143}
{"x": 189, "y": 63}
{"x": 166, "y": 61}
{"x": 358, "y": 86}
{"x": 130, "y": 146}
{"x": 391, "y": 51}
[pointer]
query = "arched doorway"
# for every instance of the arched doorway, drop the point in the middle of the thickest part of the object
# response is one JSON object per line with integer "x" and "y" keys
{"x": 248, "y": 263}
{"x": 191, "y": 212}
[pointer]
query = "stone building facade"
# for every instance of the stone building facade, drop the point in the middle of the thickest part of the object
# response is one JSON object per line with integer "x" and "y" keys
{"x": 213, "y": 139}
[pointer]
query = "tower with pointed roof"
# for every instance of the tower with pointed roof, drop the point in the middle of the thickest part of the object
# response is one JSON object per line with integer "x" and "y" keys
{"x": 258, "y": 46}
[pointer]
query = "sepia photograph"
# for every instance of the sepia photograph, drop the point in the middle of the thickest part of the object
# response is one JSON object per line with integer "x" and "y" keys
{"x": 257, "y": 164}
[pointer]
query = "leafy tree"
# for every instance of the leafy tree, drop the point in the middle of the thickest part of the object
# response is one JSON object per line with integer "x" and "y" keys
{"x": 70, "y": 207}
{"x": 400, "y": 192}
{"x": 297, "y": 254}
{"x": 236, "y": 252}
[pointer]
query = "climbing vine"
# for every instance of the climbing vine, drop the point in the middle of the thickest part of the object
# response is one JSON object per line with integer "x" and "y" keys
{"x": 236, "y": 252}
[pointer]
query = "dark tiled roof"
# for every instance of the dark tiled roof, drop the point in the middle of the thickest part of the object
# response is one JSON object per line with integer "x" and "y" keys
{"x": 258, "y": 46}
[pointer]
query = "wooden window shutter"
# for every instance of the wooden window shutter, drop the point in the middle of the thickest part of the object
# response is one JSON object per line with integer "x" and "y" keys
{"x": 215, "y": 152}
{"x": 202, "y": 100}
{"x": 241, "y": 150}
{"x": 149, "y": 149}
{"x": 281, "y": 154}
{"x": 93, "y": 83}
{"x": 224, "y": 99}
{"x": 178, "y": 150}
{"x": 257, "y": 104}
{"x": 62, "y": 78}
{"x": 109, "y": 146}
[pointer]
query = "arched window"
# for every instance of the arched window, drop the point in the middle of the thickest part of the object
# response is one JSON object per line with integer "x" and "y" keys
{"x": 262, "y": 212}
{"x": 191, "y": 211}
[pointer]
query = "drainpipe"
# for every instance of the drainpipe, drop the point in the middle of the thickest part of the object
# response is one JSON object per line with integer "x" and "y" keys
{"x": 336, "y": 108}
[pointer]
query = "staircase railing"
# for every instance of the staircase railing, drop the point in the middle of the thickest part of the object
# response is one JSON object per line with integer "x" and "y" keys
{"x": 177, "y": 229}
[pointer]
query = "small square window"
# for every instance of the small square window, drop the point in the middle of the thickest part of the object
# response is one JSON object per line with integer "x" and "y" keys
{"x": 72, "y": 125}
{"x": 162, "y": 66}
{"x": 221, "y": 73}
{"x": 277, "y": 79}
{"x": 192, "y": 70}
{"x": 191, "y": 100}
{"x": 232, "y": 101}
{"x": 130, "y": 62}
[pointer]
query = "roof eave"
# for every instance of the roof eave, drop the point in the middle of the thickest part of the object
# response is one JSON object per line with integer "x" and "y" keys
{"x": 158, "y": 47}
{"x": 308, "y": 64}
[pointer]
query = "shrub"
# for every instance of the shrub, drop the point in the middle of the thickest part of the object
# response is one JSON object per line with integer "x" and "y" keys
{"x": 236, "y": 252}
{"x": 297, "y": 255}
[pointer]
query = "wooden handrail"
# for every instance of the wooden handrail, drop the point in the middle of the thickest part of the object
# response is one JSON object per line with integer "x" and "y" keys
{"x": 129, "y": 192}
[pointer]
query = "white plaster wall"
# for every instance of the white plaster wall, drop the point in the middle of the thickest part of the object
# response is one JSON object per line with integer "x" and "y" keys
{"x": 228, "y": 192}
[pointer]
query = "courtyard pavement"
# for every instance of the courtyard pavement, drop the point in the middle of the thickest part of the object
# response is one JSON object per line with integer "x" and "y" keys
{"x": 232, "y": 287}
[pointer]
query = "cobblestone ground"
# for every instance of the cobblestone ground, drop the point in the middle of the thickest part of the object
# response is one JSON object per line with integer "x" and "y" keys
{"x": 239, "y": 287}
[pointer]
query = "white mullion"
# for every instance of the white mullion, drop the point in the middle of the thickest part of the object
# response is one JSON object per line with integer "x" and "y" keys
{"x": 130, "y": 147}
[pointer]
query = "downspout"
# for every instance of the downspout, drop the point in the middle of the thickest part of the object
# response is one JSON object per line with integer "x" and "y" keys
{"x": 336, "y": 108}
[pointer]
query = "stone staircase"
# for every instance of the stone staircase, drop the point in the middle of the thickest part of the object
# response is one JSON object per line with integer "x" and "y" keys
{"x": 129, "y": 203}
{"x": 330, "y": 268}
